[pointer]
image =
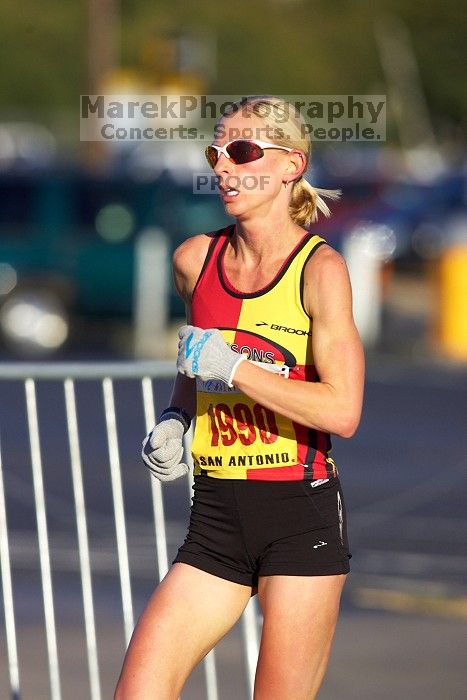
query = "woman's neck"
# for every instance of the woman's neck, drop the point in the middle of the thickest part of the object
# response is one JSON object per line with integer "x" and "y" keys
{"x": 255, "y": 241}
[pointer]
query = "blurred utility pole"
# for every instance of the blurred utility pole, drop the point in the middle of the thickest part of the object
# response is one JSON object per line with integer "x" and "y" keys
{"x": 406, "y": 97}
{"x": 151, "y": 294}
{"x": 103, "y": 41}
{"x": 404, "y": 83}
{"x": 103, "y": 57}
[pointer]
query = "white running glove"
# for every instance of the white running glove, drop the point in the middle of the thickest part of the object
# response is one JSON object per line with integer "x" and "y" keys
{"x": 163, "y": 449}
{"x": 205, "y": 354}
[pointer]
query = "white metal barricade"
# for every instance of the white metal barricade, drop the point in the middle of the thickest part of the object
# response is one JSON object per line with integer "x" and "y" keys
{"x": 69, "y": 374}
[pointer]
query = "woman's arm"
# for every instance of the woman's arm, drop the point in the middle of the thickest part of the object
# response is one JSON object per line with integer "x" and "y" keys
{"x": 334, "y": 403}
{"x": 187, "y": 262}
{"x": 184, "y": 394}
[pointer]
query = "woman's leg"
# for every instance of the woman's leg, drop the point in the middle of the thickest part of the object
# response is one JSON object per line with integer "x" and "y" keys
{"x": 300, "y": 615}
{"x": 189, "y": 612}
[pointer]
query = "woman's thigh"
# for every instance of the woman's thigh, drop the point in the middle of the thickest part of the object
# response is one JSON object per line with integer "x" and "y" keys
{"x": 189, "y": 612}
{"x": 300, "y": 615}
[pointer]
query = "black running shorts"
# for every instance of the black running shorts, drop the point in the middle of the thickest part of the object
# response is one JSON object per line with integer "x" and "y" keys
{"x": 240, "y": 530}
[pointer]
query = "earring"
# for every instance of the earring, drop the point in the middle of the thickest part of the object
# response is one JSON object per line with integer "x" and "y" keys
{"x": 285, "y": 183}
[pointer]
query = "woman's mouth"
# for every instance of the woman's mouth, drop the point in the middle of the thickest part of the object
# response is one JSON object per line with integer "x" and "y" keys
{"x": 228, "y": 192}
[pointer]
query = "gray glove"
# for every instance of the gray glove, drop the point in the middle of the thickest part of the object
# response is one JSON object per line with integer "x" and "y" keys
{"x": 205, "y": 354}
{"x": 163, "y": 450}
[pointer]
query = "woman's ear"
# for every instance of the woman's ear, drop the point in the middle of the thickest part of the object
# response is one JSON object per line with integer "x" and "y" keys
{"x": 296, "y": 166}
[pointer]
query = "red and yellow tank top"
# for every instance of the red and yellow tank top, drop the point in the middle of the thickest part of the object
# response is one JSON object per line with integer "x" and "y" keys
{"x": 236, "y": 437}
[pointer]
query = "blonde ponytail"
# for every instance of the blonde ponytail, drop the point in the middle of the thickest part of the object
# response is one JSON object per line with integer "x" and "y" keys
{"x": 307, "y": 200}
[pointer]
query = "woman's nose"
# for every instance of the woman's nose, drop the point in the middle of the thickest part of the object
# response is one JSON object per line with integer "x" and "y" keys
{"x": 223, "y": 165}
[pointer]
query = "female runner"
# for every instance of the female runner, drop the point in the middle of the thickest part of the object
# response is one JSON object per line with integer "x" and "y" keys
{"x": 271, "y": 365}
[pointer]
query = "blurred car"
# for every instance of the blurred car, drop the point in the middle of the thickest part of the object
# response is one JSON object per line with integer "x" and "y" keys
{"x": 67, "y": 247}
{"x": 423, "y": 216}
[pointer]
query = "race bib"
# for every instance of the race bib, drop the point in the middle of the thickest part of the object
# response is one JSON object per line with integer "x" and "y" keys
{"x": 234, "y": 433}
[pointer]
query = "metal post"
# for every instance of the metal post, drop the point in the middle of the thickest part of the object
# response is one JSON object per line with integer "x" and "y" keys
{"x": 362, "y": 255}
{"x": 156, "y": 486}
{"x": 83, "y": 542}
{"x": 42, "y": 534}
{"x": 250, "y": 644}
{"x": 119, "y": 510}
{"x": 9, "y": 612}
{"x": 210, "y": 673}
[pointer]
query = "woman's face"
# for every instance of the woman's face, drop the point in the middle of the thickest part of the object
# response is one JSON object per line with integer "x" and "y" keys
{"x": 256, "y": 186}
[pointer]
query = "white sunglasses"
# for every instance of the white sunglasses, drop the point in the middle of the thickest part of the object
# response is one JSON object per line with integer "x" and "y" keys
{"x": 240, "y": 151}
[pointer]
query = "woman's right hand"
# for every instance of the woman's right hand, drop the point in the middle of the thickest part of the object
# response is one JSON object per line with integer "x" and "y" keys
{"x": 163, "y": 450}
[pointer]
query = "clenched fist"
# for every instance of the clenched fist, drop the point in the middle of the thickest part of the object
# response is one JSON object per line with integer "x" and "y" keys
{"x": 205, "y": 354}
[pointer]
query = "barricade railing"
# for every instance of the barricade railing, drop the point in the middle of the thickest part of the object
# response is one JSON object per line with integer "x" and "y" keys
{"x": 106, "y": 373}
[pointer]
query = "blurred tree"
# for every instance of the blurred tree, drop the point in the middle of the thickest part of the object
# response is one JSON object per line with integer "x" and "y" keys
{"x": 42, "y": 61}
{"x": 439, "y": 33}
{"x": 277, "y": 46}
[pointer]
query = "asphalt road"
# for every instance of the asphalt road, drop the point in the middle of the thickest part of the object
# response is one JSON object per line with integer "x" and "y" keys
{"x": 403, "y": 624}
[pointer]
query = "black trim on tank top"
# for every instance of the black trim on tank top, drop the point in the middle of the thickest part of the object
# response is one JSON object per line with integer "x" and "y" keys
{"x": 310, "y": 454}
{"x": 216, "y": 238}
{"x": 264, "y": 290}
{"x": 302, "y": 275}
{"x": 312, "y": 450}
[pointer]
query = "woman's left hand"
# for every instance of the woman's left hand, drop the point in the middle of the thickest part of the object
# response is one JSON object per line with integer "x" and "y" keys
{"x": 205, "y": 354}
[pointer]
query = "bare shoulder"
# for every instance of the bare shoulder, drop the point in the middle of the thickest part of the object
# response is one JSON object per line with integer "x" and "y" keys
{"x": 191, "y": 251}
{"x": 188, "y": 260}
{"x": 326, "y": 282}
{"x": 325, "y": 261}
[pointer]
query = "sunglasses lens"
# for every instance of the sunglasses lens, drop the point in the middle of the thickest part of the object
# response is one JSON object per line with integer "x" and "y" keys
{"x": 211, "y": 155}
{"x": 244, "y": 151}
{"x": 240, "y": 151}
